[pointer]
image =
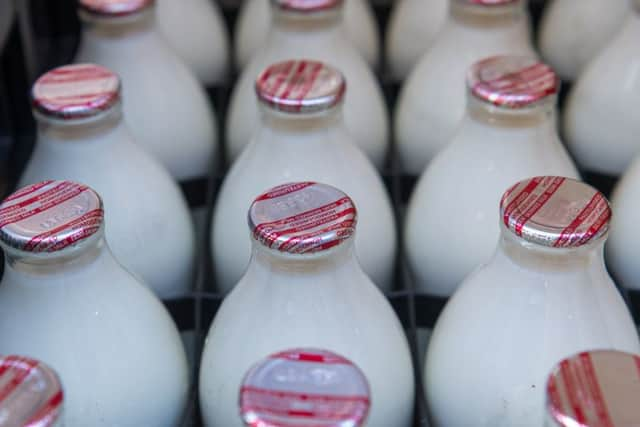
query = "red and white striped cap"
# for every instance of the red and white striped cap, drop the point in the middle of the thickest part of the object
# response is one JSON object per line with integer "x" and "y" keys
{"x": 489, "y": 2}
{"x": 512, "y": 81}
{"x": 114, "y": 8}
{"x": 306, "y": 6}
{"x": 30, "y": 393}
{"x": 595, "y": 389}
{"x": 555, "y": 212}
{"x": 300, "y": 86}
{"x": 76, "y": 92}
{"x": 302, "y": 218}
{"x": 314, "y": 388}
{"x": 50, "y": 216}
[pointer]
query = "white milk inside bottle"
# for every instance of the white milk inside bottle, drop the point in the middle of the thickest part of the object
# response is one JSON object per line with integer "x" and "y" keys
{"x": 413, "y": 26}
{"x": 432, "y": 100}
{"x": 82, "y": 137}
{"x": 64, "y": 299}
{"x": 624, "y": 240}
{"x": 312, "y": 30}
{"x": 594, "y": 388}
{"x": 599, "y": 120}
{"x": 197, "y": 32}
{"x": 304, "y": 388}
{"x": 572, "y": 33}
{"x": 508, "y": 134}
{"x": 304, "y": 288}
{"x": 302, "y": 137}
{"x": 167, "y": 109}
{"x": 255, "y": 20}
{"x": 544, "y": 296}
{"x": 31, "y": 395}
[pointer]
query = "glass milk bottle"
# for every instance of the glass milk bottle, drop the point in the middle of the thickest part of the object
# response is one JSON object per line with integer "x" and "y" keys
{"x": 599, "y": 121}
{"x": 432, "y": 100}
{"x": 197, "y": 32}
{"x": 255, "y": 20}
{"x": 304, "y": 288}
{"x": 312, "y": 30}
{"x": 31, "y": 395}
{"x": 304, "y": 388}
{"x": 82, "y": 137}
{"x": 572, "y": 33}
{"x": 593, "y": 389}
{"x": 545, "y": 295}
{"x": 302, "y": 137}
{"x": 109, "y": 338}
{"x": 413, "y": 26}
{"x": 623, "y": 246}
{"x": 166, "y": 107}
{"x": 507, "y": 134}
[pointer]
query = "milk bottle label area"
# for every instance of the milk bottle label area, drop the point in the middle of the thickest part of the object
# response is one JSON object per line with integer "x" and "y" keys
{"x": 324, "y": 347}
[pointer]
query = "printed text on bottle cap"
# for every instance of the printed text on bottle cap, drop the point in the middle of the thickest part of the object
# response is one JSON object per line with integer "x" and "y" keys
{"x": 305, "y": 388}
{"x": 50, "y": 216}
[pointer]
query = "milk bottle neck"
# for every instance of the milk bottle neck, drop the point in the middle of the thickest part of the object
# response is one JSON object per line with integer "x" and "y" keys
{"x": 542, "y": 259}
{"x": 108, "y": 127}
{"x": 540, "y": 115}
{"x": 66, "y": 261}
{"x": 300, "y": 123}
{"x": 287, "y": 21}
{"x": 483, "y": 16}
{"x": 284, "y": 265}
{"x": 120, "y": 28}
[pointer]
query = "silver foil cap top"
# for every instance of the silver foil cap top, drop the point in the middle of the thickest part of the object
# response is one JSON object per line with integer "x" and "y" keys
{"x": 512, "y": 81}
{"x": 50, "y": 216}
{"x": 595, "y": 389}
{"x": 114, "y": 8}
{"x": 30, "y": 393}
{"x": 555, "y": 212}
{"x": 306, "y": 6}
{"x": 305, "y": 387}
{"x": 76, "y": 91}
{"x": 302, "y": 218}
{"x": 300, "y": 86}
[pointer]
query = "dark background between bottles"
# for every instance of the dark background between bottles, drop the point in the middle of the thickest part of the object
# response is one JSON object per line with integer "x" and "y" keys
{"x": 45, "y": 34}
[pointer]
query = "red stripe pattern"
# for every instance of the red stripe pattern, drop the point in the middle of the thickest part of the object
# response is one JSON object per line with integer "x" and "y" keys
{"x": 115, "y": 8}
{"x": 302, "y": 218}
{"x": 307, "y": 6}
{"x": 300, "y": 86}
{"x": 555, "y": 211}
{"x": 76, "y": 91}
{"x": 305, "y": 388}
{"x": 50, "y": 216}
{"x": 595, "y": 389}
{"x": 30, "y": 393}
{"x": 512, "y": 81}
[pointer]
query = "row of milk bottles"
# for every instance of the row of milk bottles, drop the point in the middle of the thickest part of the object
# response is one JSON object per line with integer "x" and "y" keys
{"x": 542, "y": 297}
{"x": 311, "y": 387}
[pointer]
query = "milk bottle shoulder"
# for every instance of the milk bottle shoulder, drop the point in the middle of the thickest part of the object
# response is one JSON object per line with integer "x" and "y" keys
{"x": 82, "y": 137}
{"x": 413, "y": 26}
{"x": 196, "y": 30}
{"x": 254, "y": 22}
{"x": 300, "y": 290}
{"x": 166, "y": 107}
{"x": 432, "y": 100}
{"x": 32, "y": 394}
{"x": 571, "y": 33}
{"x": 304, "y": 387}
{"x": 302, "y": 137}
{"x": 508, "y": 134}
{"x": 544, "y": 296}
{"x": 314, "y": 35}
{"x": 594, "y": 388}
{"x": 599, "y": 123}
{"x": 83, "y": 314}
